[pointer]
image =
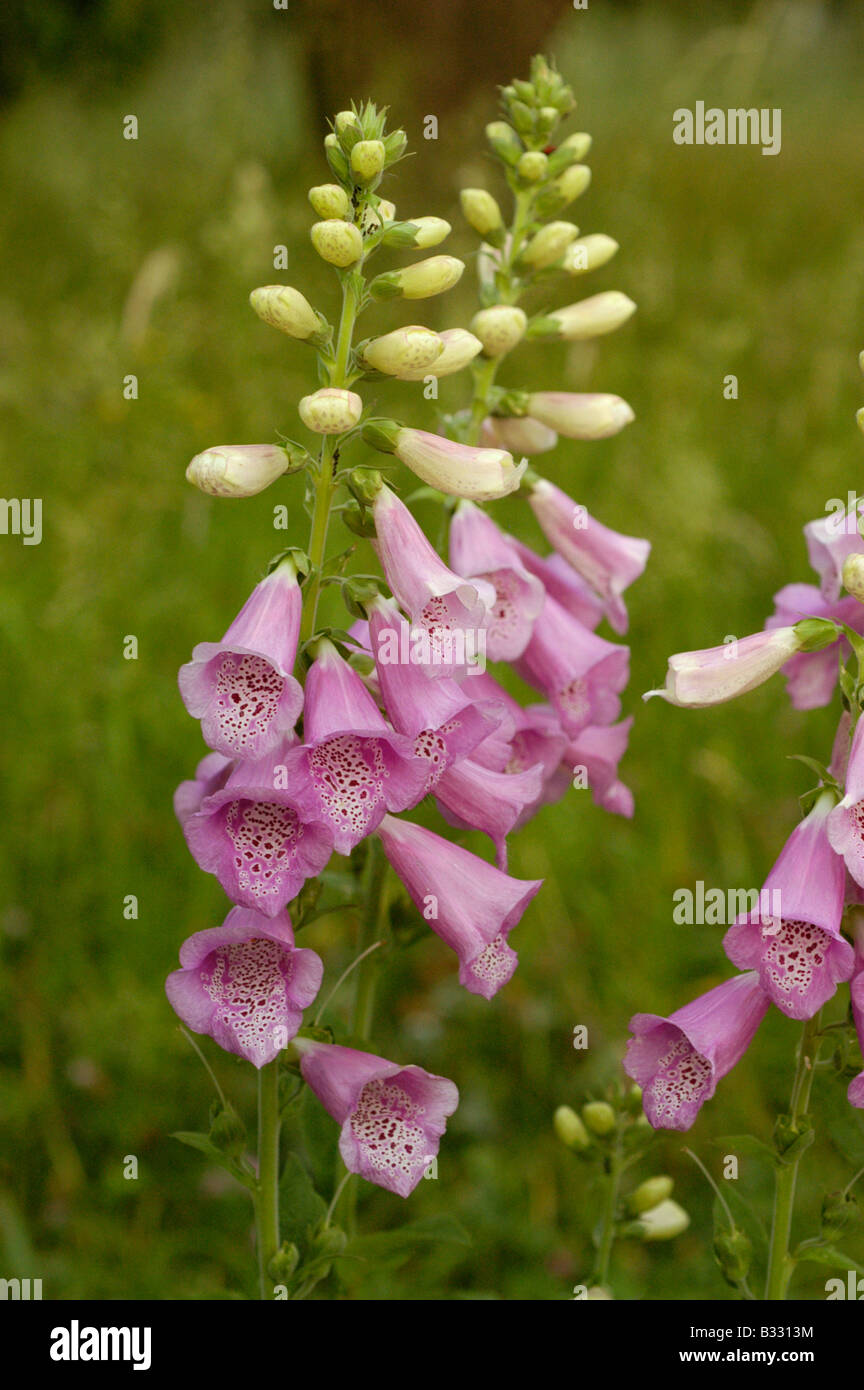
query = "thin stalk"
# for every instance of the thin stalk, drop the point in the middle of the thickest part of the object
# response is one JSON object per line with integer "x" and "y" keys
{"x": 610, "y": 1207}
{"x": 267, "y": 1190}
{"x": 781, "y": 1265}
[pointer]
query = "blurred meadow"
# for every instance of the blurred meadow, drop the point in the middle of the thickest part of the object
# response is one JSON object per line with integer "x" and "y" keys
{"x": 136, "y": 258}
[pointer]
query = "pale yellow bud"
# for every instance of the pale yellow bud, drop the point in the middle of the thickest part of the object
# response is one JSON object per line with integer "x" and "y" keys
{"x": 499, "y": 328}
{"x": 237, "y": 470}
{"x": 599, "y": 1117}
{"x": 419, "y": 281}
{"x": 549, "y": 244}
{"x": 367, "y": 160}
{"x": 578, "y": 141}
{"x": 460, "y": 348}
{"x": 404, "y": 351}
{"x": 432, "y": 231}
{"x": 532, "y": 166}
{"x": 588, "y": 253}
{"x": 330, "y": 200}
{"x": 663, "y": 1222}
{"x": 481, "y": 211}
{"x": 330, "y": 410}
{"x": 520, "y": 434}
{"x": 590, "y": 318}
{"x": 338, "y": 243}
{"x": 853, "y": 572}
{"x": 386, "y": 210}
{"x": 573, "y": 182}
{"x": 287, "y": 309}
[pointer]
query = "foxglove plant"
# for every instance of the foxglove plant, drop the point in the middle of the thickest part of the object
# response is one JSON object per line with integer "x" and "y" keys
{"x": 805, "y": 938}
{"x": 321, "y": 738}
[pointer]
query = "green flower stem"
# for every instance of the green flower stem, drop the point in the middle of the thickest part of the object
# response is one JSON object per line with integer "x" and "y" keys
{"x": 267, "y": 1189}
{"x": 610, "y": 1209}
{"x": 781, "y": 1265}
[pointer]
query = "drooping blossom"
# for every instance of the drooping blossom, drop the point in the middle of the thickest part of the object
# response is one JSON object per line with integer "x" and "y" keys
{"x": 392, "y": 1117}
{"x": 606, "y": 559}
{"x": 599, "y": 750}
{"x": 830, "y": 539}
{"x": 716, "y": 674}
{"x": 563, "y": 584}
{"x": 793, "y": 937}
{"x": 470, "y": 904}
{"x": 352, "y": 766}
{"x": 846, "y": 820}
{"x": 580, "y": 673}
{"x": 242, "y": 688}
{"x": 211, "y": 773}
{"x": 479, "y": 550}
{"x": 471, "y": 796}
{"x": 452, "y": 611}
{"x": 679, "y": 1060}
{"x": 253, "y": 835}
{"x": 245, "y": 984}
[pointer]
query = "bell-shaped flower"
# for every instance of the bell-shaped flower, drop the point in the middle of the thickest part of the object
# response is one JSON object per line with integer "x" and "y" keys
{"x": 599, "y": 751}
{"x": 210, "y": 774}
{"x": 606, "y": 559}
{"x": 479, "y": 550}
{"x": 391, "y": 1117}
{"x": 830, "y": 539}
{"x": 793, "y": 937}
{"x": 679, "y": 1060}
{"x": 563, "y": 584}
{"x": 470, "y": 904}
{"x": 471, "y": 796}
{"x": 811, "y": 677}
{"x": 855, "y": 1093}
{"x": 440, "y": 718}
{"x": 716, "y": 674}
{"x": 253, "y": 835}
{"x": 352, "y": 766}
{"x": 245, "y": 984}
{"x": 452, "y": 611}
{"x": 846, "y": 820}
{"x": 242, "y": 688}
{"x": 580, "y": 673}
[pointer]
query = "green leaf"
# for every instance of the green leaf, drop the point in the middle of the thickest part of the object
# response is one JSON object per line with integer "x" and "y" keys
{"x": 401, "y": 1241}
{"x": 301, "y": 1208}
{"x": 828, "y": 1255}
{"x": 745, "y": 1144}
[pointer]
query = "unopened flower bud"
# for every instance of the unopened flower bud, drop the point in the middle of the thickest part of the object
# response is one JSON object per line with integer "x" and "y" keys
{"x": 386, "y": 210}
{"x": 572, "y": 183}
{"x": 382, "y": 435}
{"x": 460, "y": 470}
{"x": 650, "y": 1193}
{"x": 839, "y": 1210}
{"x": 367, "y": 160}
{"x": 859, "y": 416}
{"x": 347, "y": 128}
{"x": 420, "y": 232}
{"x": 330, "y": 410}
{"x": 330, "y": 200}
{"x": 228, "y": 1132}
{"x": 338, "y": 243}
{"x": 365, "y": 484}
{"x": 590, "y": 318}
{"x": 853, "y": 576}
{"x": 237, "y": 470}
{"x": 570, "y": 1129}
{"x": 395, "y": 145}
{"x": 599, "y": 1117}
{"x": 580, "y": 415}
{"x": 570, "y": 151}
{"x": 549, "y": 244}
{"x": 533, "y": 166}
{"x": 336, "y": 157}
{"x": 588, "y": 253}
{"x": 283, "y": 1264}
{"x": 404, "y": 350}
{"x": 459, "y": 348}
{"x": 419, "y": 281}
{"x": 523, "y": 118}
{"x": 499, "y": 328}
{"x": 287, "y": 309}
{"x": 734, "y": 1253}
{"x": 481, "y": 211}
{"x": 518, "y": 433}
{"x": 663, "y": 1222}
{"x": 504, "y": 141}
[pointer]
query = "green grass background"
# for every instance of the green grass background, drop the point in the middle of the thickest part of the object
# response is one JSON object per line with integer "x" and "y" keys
{"x": 740, "y": 264}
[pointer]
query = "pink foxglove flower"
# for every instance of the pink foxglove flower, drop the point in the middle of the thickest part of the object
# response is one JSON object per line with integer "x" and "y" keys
{"x": 855, "y": 1092}
{"x": 452, "y": 611}
{"x": 580, "y": 673}
{"x": 829, "y": 540}
{"x": 439, "y": 716}
{"x": 716, "y": 674}
{"x": 242, "y": 688}
{"x": 679, "y": 1060}
{"x": 473, "y": 797}
{"x": 245, "y": 984}
{"x": 846, "y": 821}
{"x": 563, "y": 584}
{"x": 478, "y": 549}
{"x": 252, "y": 834}
{"x": 392, "y": 1117}
{"x": 811, "y": 677}
{"x": 793, "y": 938}
{"x": 471, "y": 905}
{"x": 210, "y": 774}
{"x": 599, "y": 751}
{"x": 352, "y": 767}
{"x": 608, "y": 560}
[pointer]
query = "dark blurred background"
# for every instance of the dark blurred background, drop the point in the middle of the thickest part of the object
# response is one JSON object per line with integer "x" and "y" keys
{"x": 136, "y": 257}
